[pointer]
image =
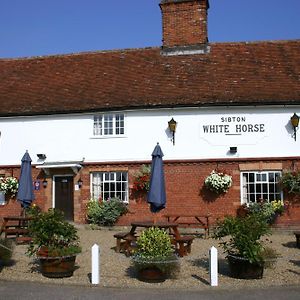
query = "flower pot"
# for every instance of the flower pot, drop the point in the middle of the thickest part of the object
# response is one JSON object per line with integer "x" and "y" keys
{"x": 152, "y": 270}
{"x": 152, "y": 275}
{"x": 241, "y": 268}
{"x": 57, "y": 267}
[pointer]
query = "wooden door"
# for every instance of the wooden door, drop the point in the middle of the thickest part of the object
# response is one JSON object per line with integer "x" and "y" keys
{"x": 64, "y": 196}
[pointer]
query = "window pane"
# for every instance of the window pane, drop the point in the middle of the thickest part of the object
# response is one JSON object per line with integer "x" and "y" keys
{"x": 108, "y": 124}
{"x": 98, "y": 125}
{"x": 119, "y": 124}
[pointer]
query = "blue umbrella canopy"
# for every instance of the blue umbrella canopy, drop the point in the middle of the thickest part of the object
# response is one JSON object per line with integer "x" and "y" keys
{"x": 157, "y": 191}
{"x": 25, "y": 192}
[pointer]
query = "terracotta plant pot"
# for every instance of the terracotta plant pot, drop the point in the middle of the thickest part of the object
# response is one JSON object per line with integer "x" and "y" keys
{"x": 57, "y": 267}
{"x": 243, "y": 269}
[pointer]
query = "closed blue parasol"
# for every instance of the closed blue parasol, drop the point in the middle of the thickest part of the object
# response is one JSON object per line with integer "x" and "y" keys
{"x": 157, "y": 192}
{"x": 25, "y": 192}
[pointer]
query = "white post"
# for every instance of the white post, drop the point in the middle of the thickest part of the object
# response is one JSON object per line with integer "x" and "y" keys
{"x": 95, "y": 264}
{"x": 213, "y": 266}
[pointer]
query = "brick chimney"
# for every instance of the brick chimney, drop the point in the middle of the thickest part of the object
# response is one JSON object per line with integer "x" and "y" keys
{"x": 184, "y": 26}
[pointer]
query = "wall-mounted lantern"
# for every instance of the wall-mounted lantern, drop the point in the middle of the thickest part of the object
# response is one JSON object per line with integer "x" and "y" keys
{"x": 295, "y": 123}
{"x": 172, "y": 127}
{"x": 41, "y": 156}
{"x": 45, "y": 183}
{"x": 80, "y": 182}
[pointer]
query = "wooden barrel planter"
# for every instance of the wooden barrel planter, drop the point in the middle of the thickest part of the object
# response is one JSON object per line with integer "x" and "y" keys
{"x": 154, "y": 271}
{"x": 57, "y": 267}
{"x": 241, "y": 268}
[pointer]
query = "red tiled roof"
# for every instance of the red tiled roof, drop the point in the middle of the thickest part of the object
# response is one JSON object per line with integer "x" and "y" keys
{"x": 256, "y": 73}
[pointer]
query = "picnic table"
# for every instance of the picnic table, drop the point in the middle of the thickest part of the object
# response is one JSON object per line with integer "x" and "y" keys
{"x": 182, "y": 243}
{"x": 191, "y": 220}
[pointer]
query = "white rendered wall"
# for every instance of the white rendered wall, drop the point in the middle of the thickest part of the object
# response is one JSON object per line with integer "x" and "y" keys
{"x": 70, "y": 137}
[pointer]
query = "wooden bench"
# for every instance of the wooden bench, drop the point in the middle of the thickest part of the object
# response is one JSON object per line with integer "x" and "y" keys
{"x": 297, "y": 235}
{"x": 130, "y": 244}
{"x": 183, "y": 244}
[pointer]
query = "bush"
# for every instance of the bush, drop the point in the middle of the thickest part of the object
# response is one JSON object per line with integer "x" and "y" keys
{"x": 154, "y": 251}
{"x": 105, "y": 213}
{"x": 244, "y": 236}
{"x": 154, "y": 242}
{"x": 50, "y": 231}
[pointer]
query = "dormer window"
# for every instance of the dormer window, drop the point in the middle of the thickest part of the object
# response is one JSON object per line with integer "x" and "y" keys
{"x": 109, "y": 125}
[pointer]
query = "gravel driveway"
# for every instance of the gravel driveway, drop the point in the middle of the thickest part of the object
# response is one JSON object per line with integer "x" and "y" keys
{"x": 116, "y": 271}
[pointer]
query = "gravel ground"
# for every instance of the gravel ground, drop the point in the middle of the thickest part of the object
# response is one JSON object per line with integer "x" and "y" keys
{"x": 116, "y": 270}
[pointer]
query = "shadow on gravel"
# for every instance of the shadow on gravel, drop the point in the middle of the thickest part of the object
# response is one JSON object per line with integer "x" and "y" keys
{"x": 290, "y": 245}
{"x": 223, "y": 267}
{"x": 131, "y": 272}
{"x": 295, "y": 262}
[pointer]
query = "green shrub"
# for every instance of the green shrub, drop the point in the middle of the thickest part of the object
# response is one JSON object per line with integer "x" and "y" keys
{"x": 244, "y": 236}
{"x": 154, "y": 250}
{"x": 50, "y": 231}
{"x": 105, "y": 213}
{"x": 154, "y": 242}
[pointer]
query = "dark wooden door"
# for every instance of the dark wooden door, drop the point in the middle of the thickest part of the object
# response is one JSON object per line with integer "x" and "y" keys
{"x": 64, "y": 196}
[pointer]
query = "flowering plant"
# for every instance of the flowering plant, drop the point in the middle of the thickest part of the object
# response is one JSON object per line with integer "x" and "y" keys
{"x": 9, "y": 185}
{"x": 290, "y": 181}
{"x": 267, "y": 210}
{"x": 278, "y": 206}
{"x": 141, "y": 179}
{"x": 218, "y": 182}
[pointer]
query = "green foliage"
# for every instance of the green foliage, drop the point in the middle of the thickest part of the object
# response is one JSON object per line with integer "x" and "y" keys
{"x": 243, "y": 236}
{"x": 154, "y": 250}
{"x": 6, "y": 250}
{"x": 32, "y": 211}
{"x": 106, "y": 212}
{"x": 50, "y": 231}
{"x": 267, "y": 210}
{"x": 154, "y": 243}
{"x": 290, "y": 181}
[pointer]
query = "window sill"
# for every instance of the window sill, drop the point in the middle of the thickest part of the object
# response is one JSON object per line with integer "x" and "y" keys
{"x": 94, "y": 137}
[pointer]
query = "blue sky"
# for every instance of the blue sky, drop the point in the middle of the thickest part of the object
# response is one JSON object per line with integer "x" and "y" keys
{"x": 46, "y": 27}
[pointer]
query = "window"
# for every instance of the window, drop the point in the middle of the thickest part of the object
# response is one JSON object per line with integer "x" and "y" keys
{"x": 260, "y": 185}
{"x": 109, "y": 125}
{"x": 106, "y": 185}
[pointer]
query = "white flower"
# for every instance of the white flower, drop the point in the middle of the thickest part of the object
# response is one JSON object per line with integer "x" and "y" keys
{"x": 9, "y": 185}
{"x": 218, "y": 182}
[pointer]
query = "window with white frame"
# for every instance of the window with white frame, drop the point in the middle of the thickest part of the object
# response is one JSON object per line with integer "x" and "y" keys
{"x": 107, "y": 185}
{"x": 109, "y": 125}
{"x": 256, "y": 186}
